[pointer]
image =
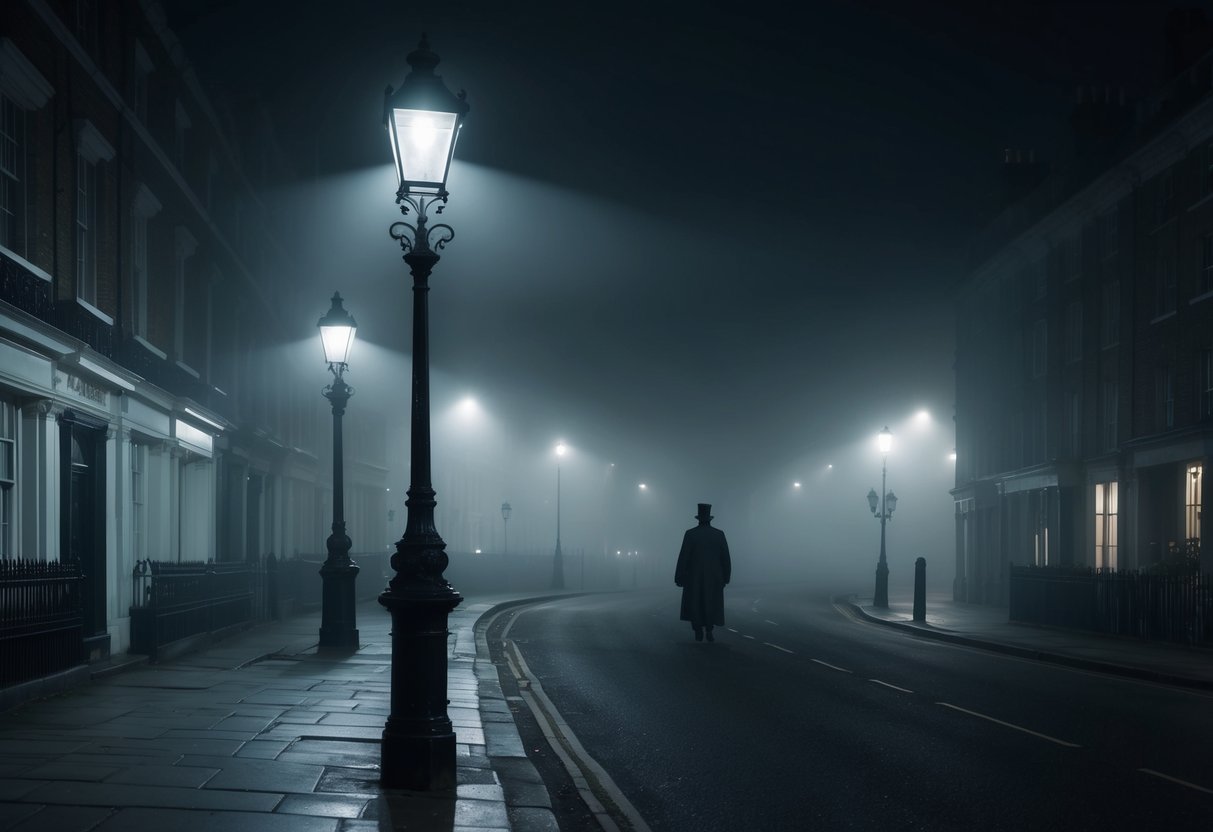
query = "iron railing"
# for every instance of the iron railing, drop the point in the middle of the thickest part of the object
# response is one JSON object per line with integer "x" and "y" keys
{"x": 1164, "y": 607}
{"x": 40, "y": 620}
{"x": 175, "y": 601}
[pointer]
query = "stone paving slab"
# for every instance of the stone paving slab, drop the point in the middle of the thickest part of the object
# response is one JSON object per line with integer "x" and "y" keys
{"x": 258, "y": 733}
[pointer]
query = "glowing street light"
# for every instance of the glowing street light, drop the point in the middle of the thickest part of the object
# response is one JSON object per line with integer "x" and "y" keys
{"x": 643, "y": 486}
{"x": 338, "y": 617}
{"x": 882, "y": 510}
{"x": 796, "y": 484}
{"x": 423, "y": 119}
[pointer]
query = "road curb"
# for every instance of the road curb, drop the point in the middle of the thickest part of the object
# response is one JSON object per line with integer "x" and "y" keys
{"x": 1127, "y": 671}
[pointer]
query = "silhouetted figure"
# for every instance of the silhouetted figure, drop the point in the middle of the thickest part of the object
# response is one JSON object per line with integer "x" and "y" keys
{"x": 703, "y": 571}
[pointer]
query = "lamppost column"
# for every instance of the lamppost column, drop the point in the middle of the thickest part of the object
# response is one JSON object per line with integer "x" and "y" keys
{"x": 418, "y": 750}
{"x": 558, "y": 558}
{"x": 881, "y": 597}
{"x": 338, "y": 617}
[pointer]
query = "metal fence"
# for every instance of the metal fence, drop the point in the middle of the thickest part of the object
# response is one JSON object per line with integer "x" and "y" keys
{"x": 175, "y": 601}
{"x": 1164, "y": 607}
{"x": 40, "y": 620}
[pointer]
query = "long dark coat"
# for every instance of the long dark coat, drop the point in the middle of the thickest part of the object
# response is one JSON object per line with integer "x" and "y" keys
{"x": 703, "y": 570}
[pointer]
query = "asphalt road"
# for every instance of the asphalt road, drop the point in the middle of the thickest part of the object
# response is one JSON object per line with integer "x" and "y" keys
{"x": 800, "y": 717}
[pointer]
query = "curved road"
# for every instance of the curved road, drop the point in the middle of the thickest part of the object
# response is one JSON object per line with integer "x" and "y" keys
{"x": 800, "y": 717}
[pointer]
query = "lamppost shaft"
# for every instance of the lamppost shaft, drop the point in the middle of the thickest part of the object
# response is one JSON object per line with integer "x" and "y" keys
{"x": 881, "y": 597}
{"x": 338, "y": 617}
{"x": 558, "y": 558}
{"x": 418, "y": 750}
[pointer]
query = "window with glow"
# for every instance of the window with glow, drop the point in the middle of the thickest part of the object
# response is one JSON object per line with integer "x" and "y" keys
{"x": 1106, "y": 510}
{"x": 86, "y": 230}
{"x": 1192, "y": 507}
{"x": 8, "y": 475}
{"x": 12, "y": 177}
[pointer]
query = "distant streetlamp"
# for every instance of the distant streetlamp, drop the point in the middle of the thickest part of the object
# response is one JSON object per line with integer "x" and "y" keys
{"x": 338, "y": 618}
{"x": 505, "y": 527}
{"x": 882, "y": 510}
{"x": 423, "y": 119}
{"x": 558, "y": 557}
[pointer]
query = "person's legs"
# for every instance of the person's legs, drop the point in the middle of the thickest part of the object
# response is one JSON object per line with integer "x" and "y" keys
{"x": 698, "y": 631}
{"x": 708, "y": 628}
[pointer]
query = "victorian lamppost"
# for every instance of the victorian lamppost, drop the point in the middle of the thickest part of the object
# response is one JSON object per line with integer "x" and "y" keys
{"x": 886, "y": 506}
{"x": 558, "y": 557}
{"x": 338, "y": 618}
{"x": 505, "y": 528}
{"x": 423, "y": 119}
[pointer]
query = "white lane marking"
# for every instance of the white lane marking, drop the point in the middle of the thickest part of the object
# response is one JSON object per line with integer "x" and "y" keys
{"x": 772, "y": 623}
{"x": 894, "y": 687}
{"x": 1176, "y": 780}
{"x": 743, "y": 635}
{"x": 831, "y": 666}
{"x": 777, "y": 647}
{"x": 1010, "y": 725}
{"x": 730, "y": 629}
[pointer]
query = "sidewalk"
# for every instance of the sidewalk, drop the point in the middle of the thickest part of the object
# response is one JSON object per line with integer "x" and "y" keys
{"x": 258, "y": 733}
{"x": 988, "y": 628}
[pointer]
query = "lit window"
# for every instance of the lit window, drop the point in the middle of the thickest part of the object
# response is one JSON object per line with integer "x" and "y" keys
{"x": 1106, "y": 509}
{"x": 1192, "y": 504}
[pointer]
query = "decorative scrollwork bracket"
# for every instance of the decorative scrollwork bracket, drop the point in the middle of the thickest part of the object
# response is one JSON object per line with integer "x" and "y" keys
{"x": 421, "y": 238}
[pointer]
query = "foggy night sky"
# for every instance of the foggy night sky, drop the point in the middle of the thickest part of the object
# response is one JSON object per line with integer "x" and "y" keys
{"x": 716, "y": 241}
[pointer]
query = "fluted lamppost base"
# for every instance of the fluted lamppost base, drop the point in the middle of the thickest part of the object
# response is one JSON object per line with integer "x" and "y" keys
{"x": 338, "y": 626}
{"x": 881, "y": 597}
{"x": 418, "y": 750}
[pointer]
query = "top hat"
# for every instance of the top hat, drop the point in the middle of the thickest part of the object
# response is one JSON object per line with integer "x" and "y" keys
{"x": 705, "y": 512}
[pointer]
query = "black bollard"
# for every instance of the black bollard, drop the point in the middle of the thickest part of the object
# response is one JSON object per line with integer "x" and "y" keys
{"x": 920, "y": 589}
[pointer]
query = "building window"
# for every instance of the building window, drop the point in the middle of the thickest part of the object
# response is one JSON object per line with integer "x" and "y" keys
{"x": 1106, "y": 509}
{"x": 184, "y": 250}
{"x": 1111, "y": 405}
{"x": 181, "y": 126}
{"x": 1074, "y": 417}
{"x": 86, "y": 230}
{"x": 1192, "y": 505}
{"x": 8, "y": 476}
{"x": 1073, "y": 347}
{"x": 1205, "y": 383}
{"x": 141, "y": 82}
{"x": 1205, "y": 284}
{"x": 143, "y": 208}
{"x": 1164, "y": 388}
{"x": 1109, "y": 319}
{"x": 1109, "y": 235}
{"x": 1070, "y": 258}
{"x": 12, "y": 177}
{"x": 1164, "y": 286}
{"x": 1040, "y": 348}
{"x": 138, "y": 501}
{"x": 1164, "y": 197}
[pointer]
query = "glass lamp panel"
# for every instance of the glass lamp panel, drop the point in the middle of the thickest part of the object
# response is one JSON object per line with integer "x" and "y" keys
{"x": 873, "y": 497}
{"x": 891, "y": 501}
{"x": 885, "y": 441}
{"x": 337, "y": 341}
{"x": 422, "y": 142}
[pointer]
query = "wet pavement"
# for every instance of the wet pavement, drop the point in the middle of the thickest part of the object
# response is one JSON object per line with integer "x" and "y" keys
{"x": 260, "y": 733}
{"x": 989, "y": 628}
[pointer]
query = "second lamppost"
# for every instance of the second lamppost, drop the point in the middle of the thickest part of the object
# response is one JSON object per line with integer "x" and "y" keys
{"x": 505, "y": 528}
{"x": 882, "y": 509}
{"x": 338, "y": 622}
{"x": 558, "y": 557}
{"x": 423, "y": 119}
